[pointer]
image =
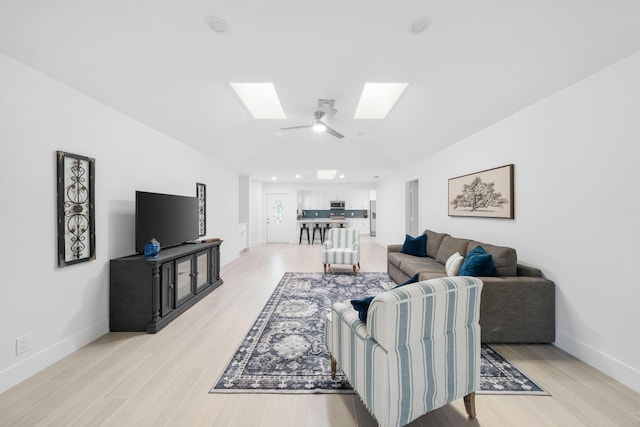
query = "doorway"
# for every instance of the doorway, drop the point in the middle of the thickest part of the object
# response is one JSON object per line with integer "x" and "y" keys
{"x": 277, "y": 218}
{"x": 412, "y": 211}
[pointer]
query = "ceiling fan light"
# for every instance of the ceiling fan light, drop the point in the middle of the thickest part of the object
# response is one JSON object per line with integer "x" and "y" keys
{"x": 318, "y": 126}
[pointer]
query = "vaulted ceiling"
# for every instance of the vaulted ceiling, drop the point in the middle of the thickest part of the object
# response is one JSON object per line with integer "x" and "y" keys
{"x": 159, "y": 62}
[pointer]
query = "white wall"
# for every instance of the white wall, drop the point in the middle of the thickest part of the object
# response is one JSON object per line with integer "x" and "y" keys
{"x": 257, "y": 219}
{"x": 577, "y": 203}
{"x": 62, "y": 309}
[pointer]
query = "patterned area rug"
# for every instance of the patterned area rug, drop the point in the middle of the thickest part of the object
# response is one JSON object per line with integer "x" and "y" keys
{"x": 284, "y": 350}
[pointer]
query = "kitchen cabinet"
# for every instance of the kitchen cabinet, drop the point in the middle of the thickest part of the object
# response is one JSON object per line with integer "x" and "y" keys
{"x": 320, "y": 199}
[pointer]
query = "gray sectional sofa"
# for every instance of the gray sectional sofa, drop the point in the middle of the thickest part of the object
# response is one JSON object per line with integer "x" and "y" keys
{"x": 517, "y": 303}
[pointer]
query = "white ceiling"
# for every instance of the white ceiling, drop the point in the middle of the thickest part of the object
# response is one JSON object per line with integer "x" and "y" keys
{"x": 158, "y": 62}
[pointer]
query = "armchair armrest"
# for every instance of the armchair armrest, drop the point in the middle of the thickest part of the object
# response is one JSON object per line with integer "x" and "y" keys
{"x": 327, "y": 244}
{"x": 355, "y": 246}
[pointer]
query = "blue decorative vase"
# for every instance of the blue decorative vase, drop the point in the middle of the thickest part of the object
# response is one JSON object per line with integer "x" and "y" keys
{"x": 152, "y": 249}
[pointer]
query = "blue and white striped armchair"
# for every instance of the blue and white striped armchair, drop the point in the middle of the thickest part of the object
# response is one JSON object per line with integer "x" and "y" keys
{"x": 418, "y": 350}
{"x": 342, "y": 246}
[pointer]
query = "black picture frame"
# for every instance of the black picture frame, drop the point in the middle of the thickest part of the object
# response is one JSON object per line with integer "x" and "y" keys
{"x": 75, "y": 208}
{"x": 485, "y": 194}
{"x": 201, "y": 193}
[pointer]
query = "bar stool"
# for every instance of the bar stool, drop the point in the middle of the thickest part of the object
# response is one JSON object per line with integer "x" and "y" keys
{"x": 316, "y": 227}
{"x": 303, "y": 227}
{"x": 326, "y": 228}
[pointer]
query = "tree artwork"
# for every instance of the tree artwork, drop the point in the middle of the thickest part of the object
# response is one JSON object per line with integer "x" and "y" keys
{"x": 479, "y": 195}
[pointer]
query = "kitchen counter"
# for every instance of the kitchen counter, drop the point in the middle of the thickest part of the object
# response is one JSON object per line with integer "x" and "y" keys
{"x": 323, "y": 221}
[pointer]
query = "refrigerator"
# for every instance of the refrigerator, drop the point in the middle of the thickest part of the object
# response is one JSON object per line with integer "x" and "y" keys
{"x": 372, "y": 218}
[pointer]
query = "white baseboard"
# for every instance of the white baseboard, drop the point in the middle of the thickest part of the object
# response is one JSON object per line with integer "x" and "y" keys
{"x": 616, "y": 369}
{"x": 33, "y": 364}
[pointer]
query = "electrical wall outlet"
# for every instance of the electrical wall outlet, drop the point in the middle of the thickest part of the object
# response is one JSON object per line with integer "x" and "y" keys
{"x": 22, "y": 345}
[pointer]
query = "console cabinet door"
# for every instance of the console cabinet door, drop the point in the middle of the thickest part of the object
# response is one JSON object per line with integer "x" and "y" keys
{"x": 185, "y": 269}
{"x": 215, "y": 264}
{"x": 202, "y": 268}
{"x": 167, "y": 288}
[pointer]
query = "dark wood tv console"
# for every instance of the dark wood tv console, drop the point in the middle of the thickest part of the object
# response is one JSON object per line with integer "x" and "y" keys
{"x": 145, "y": 295}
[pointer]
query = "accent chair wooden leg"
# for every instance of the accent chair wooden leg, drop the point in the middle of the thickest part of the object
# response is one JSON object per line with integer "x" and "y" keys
{"x": 333, "y": 368}
{"x": 325, "y": 268}
{"x": 470, "y": 404}
{"x": 354, "y": 270}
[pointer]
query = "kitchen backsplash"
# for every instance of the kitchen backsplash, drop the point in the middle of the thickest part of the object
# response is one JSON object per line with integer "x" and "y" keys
{"x": 324, "y": 213}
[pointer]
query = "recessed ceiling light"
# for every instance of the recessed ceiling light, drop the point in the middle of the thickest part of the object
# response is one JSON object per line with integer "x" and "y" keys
{"x": 297, "y": 175}
{"x": 377, "y": 99}
{"x": 419, "y": 25}
{"x": 273, "y": 178}
{"x": 217, "y": 25}
{"x": 326, "y": 174}
{"x": 341, "y": 176}
{"x": 260, "y": 99}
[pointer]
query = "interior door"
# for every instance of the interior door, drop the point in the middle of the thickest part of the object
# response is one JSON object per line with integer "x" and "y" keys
{"x": 412, "y": 208}
{"x": 277, "y": 218}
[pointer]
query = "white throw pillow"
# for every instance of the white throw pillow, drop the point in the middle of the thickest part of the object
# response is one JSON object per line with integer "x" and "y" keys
{"x": 452, "y": 266}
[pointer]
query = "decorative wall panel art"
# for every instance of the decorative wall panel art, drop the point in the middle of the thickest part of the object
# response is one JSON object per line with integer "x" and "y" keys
{"x": 76, "y": 208}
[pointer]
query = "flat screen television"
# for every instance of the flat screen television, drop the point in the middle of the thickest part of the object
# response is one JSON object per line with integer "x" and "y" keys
{"x": 170, "y": 219}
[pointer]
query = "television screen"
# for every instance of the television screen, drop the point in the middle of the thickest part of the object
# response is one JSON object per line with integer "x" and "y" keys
{"x": 170, "y": 219}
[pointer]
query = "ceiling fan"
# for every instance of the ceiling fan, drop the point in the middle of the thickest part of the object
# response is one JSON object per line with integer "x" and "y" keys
{"x": 318, "y": 124}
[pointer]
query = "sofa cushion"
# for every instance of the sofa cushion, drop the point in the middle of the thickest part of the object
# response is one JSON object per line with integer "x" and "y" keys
{"x": 449, "y": 246}
{"x": 505, "y": 259}
{"x": 434, "y": 240}
{"x": 416, "y": 246}
{"x": 414, "y": 265}
{"x": 477, "y": 263}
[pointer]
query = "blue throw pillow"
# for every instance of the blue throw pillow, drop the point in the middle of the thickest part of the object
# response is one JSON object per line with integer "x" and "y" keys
{"x": 477, "y": 263}
{"x": 362, "y": 307}
{"x": 416, "y": 246}
{"x": 413, "y": 279}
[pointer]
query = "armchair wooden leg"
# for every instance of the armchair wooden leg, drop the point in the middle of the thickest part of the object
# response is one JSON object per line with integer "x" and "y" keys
{"x": 325, "y": 268}
{"x": 333, "y": 368}
{"x": 470, "y": 404}
{"x": 354, "y": 270}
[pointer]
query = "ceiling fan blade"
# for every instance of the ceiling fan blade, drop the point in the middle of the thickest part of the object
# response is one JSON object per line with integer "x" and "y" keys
{"x": 330, "y": 112}
{"x": 334, "y": 132}
{"x": 297, "y": 127}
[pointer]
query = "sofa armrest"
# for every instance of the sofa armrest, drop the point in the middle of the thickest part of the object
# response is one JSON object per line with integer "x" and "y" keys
{"x": 525, "y": 270}
{"x": 518, "y": 310}
{"x": 394, "y": 248}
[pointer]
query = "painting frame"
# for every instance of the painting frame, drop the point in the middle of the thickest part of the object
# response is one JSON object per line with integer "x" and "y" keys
{"x": 201, "y": 194}
{"x": 75, "y": 187}
{"x": 485, "y": 194}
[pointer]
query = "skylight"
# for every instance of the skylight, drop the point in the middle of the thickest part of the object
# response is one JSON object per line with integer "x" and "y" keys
{"x": 260, "y": 99}
{"x": 377, "y": 99}
{"x": 327, "y": 174}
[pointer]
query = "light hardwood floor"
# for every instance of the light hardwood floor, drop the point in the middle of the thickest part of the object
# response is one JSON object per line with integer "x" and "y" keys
{"x": 133, "y": 379}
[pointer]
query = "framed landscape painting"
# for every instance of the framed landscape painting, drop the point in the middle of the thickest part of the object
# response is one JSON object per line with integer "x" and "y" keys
{"x": 487, "y": 194}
